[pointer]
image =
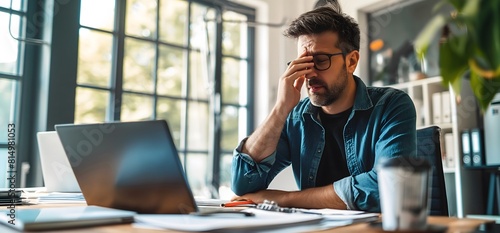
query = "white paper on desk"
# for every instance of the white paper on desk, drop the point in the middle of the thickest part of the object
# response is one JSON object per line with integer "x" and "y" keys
{"x": 62, "y": 202}
{"x": 367, "y": 217}
{"x": 209, "y": 202}
{"x": 61, "y": 198}
{"x": 262, "y": 218}
{"x": 333, "y": 211}
{"x": 321, "y": 226}
{"x": 344, "y": 215}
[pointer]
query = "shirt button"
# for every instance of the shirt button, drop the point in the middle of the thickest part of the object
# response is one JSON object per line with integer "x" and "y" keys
{"x": 319, "y": 151}
{"x": 310, "y": 177}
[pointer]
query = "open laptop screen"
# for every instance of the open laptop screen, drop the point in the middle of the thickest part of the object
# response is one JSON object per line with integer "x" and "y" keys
{"x": 128, "y": 165}
{"x": 56, "y": 170}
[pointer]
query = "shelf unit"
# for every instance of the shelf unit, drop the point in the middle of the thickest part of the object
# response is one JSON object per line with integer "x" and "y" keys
{"x": 463, "y": 186}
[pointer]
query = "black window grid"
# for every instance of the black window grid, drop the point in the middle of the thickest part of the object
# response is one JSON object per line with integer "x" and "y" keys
{"x": 116, "y": 86}
{"x": 18, "y": 76}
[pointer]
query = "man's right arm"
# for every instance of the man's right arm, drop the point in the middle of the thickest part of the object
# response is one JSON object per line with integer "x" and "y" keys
{"x": 254, "y": 157}
{"x": 253, "y": 173}
{"x": 264, "y": 140}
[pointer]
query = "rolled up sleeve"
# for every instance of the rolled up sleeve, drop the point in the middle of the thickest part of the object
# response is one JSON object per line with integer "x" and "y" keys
{"x": 393, "y": 134}
{"x": 343, "y": 189}
{"x": 359, "y": 192}
{"x": 247, "y": 175}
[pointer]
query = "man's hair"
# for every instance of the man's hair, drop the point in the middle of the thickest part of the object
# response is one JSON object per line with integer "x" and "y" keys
{"x": 328, "y": 17}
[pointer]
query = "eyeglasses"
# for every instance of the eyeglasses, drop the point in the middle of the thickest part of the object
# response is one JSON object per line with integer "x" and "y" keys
{"x": 322, "y": 61}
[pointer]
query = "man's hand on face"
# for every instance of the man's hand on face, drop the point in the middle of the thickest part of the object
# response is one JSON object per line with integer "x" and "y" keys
{"x": 292, "y": 81}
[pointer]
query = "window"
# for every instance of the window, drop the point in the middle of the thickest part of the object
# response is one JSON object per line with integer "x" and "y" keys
{"x": 392, "y": 59}
{"x": 188, "y": 62}
{"x": 10, "y": 73}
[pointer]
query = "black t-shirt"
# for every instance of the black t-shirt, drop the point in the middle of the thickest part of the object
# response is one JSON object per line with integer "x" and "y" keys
{"x": 333, "y": 165}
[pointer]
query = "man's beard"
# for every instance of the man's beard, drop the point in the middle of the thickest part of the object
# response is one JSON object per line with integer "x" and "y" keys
{"x": 332, "y": 92}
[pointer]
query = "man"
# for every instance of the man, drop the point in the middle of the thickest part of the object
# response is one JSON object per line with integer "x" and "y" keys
{"x": 334, "y": 138}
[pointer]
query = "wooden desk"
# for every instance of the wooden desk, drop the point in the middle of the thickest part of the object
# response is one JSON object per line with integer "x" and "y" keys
{"x": 454, "y": 225}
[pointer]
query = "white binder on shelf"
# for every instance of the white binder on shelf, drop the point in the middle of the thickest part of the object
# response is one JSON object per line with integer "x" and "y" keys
{"x": 477, "y": 147}
{"x": 419, "y": 110}
{"x": 446, "y": 107}
{"x": 449, "y": 149}
{"x": 436, "y": 108}
{"x": 466, "y": 148}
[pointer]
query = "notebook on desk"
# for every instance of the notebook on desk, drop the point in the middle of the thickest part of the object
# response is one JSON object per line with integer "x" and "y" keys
{"x": 128, "y": 165}
{"x": 56, "y": 170}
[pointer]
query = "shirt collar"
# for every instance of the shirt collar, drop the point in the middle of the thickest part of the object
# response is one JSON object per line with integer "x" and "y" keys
{"x": 363, "y": 100}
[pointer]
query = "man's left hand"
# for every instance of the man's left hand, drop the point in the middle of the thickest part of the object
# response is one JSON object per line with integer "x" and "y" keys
{"x": 312, "y": 198}
{"x": 277, "y": 196}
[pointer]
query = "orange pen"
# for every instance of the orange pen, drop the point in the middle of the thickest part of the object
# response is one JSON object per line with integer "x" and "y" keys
{"x": 238, "y": 204}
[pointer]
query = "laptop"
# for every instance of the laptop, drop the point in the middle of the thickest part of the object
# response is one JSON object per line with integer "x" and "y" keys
{"x": 63, "y": 217}
{"x": 56, "y": 170}
{"x": 128, "y": 165}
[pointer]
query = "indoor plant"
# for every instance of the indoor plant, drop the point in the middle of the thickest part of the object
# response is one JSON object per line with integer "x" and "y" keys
{"x": 469, "y": 46}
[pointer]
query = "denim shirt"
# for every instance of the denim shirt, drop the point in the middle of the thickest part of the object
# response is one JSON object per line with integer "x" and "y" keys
{"x": 382, "y": 124}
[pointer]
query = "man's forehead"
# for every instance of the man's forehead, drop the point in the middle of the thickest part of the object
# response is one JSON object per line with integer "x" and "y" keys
{"x": 313, "y": 42}
{"x": 306, "y": 41}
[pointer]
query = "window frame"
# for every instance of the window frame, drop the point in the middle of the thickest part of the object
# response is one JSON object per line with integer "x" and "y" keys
{"x": 62, "y": 26}
{"x": 49, "y": 72}
{"x": 24, "y": 110}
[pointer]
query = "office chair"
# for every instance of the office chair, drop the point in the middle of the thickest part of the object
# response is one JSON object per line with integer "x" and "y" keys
{"x": 429, "y": 146}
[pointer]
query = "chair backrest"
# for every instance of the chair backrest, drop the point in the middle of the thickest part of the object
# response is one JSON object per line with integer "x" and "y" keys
{"x": 429, "y": 146}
